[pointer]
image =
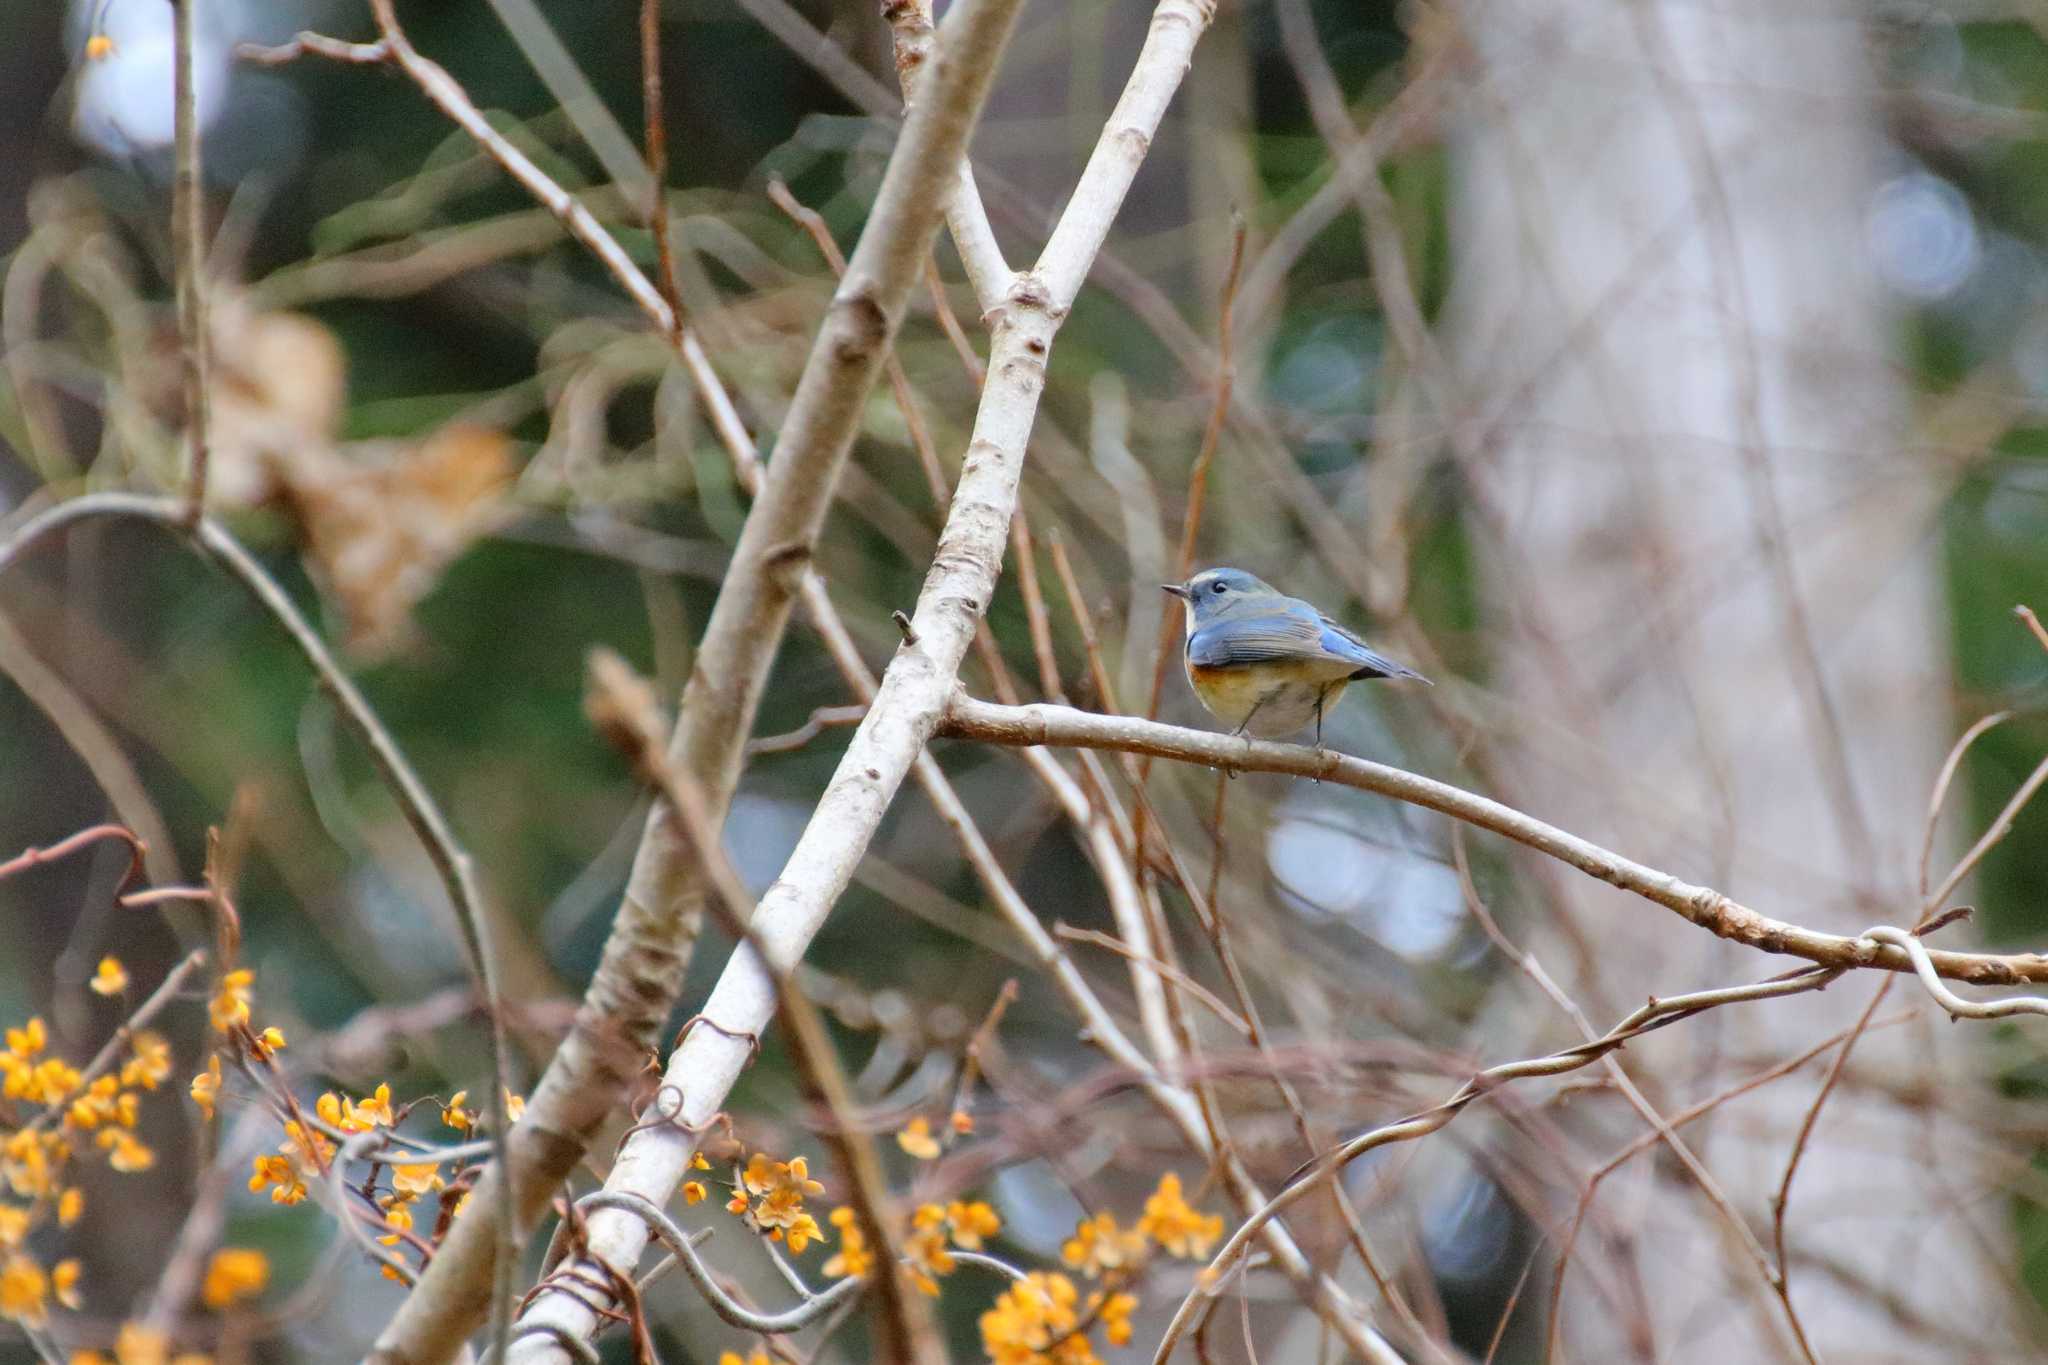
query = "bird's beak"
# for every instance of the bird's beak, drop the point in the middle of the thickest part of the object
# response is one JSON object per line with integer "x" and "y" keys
{"x": 1176, "y": 589}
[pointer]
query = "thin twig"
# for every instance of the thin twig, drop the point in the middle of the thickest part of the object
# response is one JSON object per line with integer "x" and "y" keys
{"x": 1923, "y": 967}
{"x": 1198, "y": 473}
{"x": 103, "y": 1061}
{"x": 188, "y": 231}
{"x": 681, "y": 1245}
{"x": 1530, "y": 967}
{"x": 2033, "y": 623}
{"x": 657, "y": 160}
{"x": 1939, "y": 796}
{"x": 72, "y": 843}
{"x": 984, "y": 1037}
{"x": 1181, "y": 978}
{"x": 1084, "y": 621}
{"x": 95, "y": 745}
{"x": 821, "y": 719}
{"x": 1645, "y": 1141}
{"x": 1654, "y": 1015}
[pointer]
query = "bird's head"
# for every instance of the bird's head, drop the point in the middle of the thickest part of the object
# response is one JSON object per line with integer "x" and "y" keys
{"x": 1217, "y": 593}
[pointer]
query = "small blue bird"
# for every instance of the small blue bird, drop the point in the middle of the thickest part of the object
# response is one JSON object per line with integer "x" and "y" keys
{"x": 1267, "y": 663}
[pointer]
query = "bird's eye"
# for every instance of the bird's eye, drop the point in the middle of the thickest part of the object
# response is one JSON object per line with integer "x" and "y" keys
{"x": 1220, "y": 587}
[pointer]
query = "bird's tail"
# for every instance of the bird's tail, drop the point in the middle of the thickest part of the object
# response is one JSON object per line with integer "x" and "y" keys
{"x": 1380, "y": 666}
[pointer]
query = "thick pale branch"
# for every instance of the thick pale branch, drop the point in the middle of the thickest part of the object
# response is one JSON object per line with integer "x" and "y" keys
{"x": 1065, "y": 727}
{"x": 640, "y": 973}
{"x": 919, "y": 679}
{"x": 910, "y": 25}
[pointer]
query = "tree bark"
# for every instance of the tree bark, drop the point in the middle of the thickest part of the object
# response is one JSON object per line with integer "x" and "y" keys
{"x": 1717, "y": 614}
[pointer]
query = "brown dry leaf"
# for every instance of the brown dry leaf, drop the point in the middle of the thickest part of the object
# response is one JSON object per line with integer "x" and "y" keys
{"x": 381, "y": 520}
{"x": 378, "y": 521}
{"x": 278, "y": 382}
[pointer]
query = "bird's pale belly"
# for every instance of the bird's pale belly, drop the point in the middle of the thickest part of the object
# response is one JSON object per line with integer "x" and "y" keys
{"x": 1277, "y": 707}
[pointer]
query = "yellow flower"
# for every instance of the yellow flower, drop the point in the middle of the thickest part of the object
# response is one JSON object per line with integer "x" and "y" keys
{"x": 311, "y": 1150}
{"x": 355, "y": 1116}
{"x": 26, "y": 1041}
{"x": 963, "y": 1122}
{"x": 972, "y": 1222}
{"x": 231, "y": 999}
{"x": 150, "y": 1061}
{"x": 1170, "y": 1222}
{"x": 44, "y": 1082}
{"x": 280, "y": 1172}
{"x": 1099, "y": 1245}
{"x": 733, "y": 1358}
{"x": 400, "y": 1218}
{"x": 206, "y": 1086}
{"x": 926, "y": 1250}
{"x": 916, "y": 1139}
{"x": 515, "y": 1107}
{"x": 801, "y": 1231}
{"x": 96, "y": 1106}
{"x": 140, "y": 1345}
{"x": 780, "y": 1187}
{"x": 271, "y": 1040}
{"x": 14, "y": 1224}
{"x": 64, "y": 1283}
{"x": 110, "y": 979}
{"x": 455, "y": 1116}
{"x": 24, "y": 1290}
{"x": 31, "y": 1161}
{"x": 375, "y": 1112}
{"x": 1116, "y": 1317}
{"x": 416, "y": 1180}
{"x": 694, "y": 1192}
{"x": 853, "y": 1259}
{"x": 1028, "y": 1318}
{"x": 764, "y": 1177}
{"x": 99, "y": 47}
{"x": 129, "y": 1154}
{"x": 234, "y": 1274}
{"x": 70, "y": 1206}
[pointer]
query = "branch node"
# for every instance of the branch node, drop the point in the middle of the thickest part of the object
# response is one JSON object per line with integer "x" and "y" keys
{"x": 902, "y": 621}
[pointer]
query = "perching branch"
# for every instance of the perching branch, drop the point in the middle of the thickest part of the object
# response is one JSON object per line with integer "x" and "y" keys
{"x": 1064, "y": 727}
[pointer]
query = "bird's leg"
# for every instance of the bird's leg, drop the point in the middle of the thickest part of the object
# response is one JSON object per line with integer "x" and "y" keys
{"x": 1245, "y": 724}
{"x": 1322, "y": 694}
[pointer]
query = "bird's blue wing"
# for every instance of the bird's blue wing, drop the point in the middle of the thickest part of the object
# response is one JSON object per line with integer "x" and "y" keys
{"x": 1291, "y": 633}
{"x": 1342, "y": 644}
